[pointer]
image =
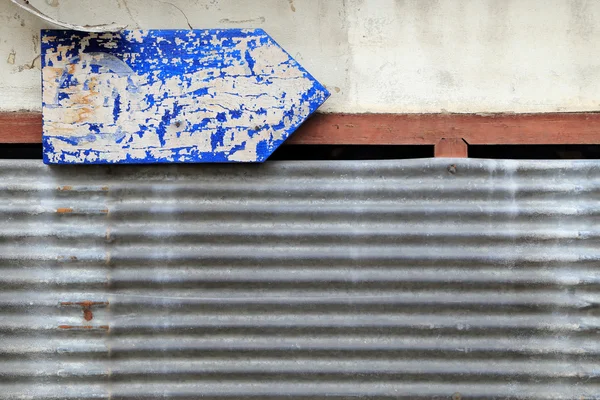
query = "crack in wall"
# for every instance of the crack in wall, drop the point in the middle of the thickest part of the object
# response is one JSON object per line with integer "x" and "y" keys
{"x": 180, "y": 10}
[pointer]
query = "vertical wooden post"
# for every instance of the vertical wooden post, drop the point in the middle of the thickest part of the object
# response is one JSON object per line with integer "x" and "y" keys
{"x": 452, "y": 148}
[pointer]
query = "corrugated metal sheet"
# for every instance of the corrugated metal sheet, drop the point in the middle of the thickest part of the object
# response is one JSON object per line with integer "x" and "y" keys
{"x": 388, "y": 279}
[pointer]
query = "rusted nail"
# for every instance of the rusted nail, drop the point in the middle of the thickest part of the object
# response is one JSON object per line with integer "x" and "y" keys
{"x": 178, "y": 124}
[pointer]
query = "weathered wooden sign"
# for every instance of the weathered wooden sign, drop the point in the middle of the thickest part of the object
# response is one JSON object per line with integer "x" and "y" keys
{"x": 170, "y": 96}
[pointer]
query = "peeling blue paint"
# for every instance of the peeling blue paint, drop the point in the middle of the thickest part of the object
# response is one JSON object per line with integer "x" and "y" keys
{"x": 176, "y": 96}
{"x": 117, "y": 107}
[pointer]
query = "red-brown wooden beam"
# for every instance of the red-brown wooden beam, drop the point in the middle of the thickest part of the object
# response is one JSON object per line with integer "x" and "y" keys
{"x": 450, "y": 133}
{"x": 556, "y": 128}
{"x": 20, "y": 127}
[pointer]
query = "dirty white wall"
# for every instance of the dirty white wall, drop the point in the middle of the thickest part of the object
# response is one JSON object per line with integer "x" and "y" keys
{"x": 374, "y": 55}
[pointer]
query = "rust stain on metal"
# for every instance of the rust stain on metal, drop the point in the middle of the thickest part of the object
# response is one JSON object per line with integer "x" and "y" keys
{"x": 87, "y": 327}
{"x": 86, "y": 306}
{"x": 104, "y": 188}
{"x": 88, "y": 315}
{"x": 65, "y": 188}
{"x": 64, "y": 210}
{"x": 104, "y": 211}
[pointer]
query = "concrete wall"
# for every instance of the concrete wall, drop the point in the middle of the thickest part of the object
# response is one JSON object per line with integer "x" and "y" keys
{"x": 403, "y": 56}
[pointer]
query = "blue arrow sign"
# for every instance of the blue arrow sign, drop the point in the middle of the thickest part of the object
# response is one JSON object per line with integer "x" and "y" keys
{"x": 161, "y": 96}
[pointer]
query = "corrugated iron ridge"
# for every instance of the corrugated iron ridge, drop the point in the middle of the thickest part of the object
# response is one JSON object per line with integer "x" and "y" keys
{"x": 385, "y": 279}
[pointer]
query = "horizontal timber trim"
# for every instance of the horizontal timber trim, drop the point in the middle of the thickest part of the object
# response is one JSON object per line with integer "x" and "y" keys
{"x": 556, "y": 128}
{"x": 20, "y": 127}
{"x": 399, "y": 129}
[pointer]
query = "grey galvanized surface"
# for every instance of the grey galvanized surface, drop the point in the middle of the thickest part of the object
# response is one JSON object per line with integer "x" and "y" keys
{"x": 389, "y": 279}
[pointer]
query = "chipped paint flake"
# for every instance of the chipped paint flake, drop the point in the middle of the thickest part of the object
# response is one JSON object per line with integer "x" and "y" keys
{"x": 170, "y": 96}
{"x": 11, "y": 57}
